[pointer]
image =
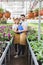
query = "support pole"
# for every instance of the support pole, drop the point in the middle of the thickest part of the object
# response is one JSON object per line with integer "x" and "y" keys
{"x": 26, "y": 7}
{"x": 30, "y": 5}
{"x": 39, "y": 23}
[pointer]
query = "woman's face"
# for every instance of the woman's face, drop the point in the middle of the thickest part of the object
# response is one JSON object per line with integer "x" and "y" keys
{"x": 16, "y": 21}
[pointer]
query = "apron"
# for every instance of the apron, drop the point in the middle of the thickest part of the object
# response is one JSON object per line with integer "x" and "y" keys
{"x": 16, "y": 38}
{"x": 23, "y": 38}
{"x": 20, "y": 38}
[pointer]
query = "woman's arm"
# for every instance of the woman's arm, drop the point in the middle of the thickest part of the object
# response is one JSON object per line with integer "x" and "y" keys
{"x": 17, "y": 31}
{"x": 14, "y": 28}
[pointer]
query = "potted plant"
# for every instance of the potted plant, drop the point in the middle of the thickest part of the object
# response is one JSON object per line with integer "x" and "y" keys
{"x": 7, "y": 14}
{"x": 31, "y": 14}
{"x": 36, "y": 13}
{"x": 1, "y": 12}
{"x": 41, "y": 12}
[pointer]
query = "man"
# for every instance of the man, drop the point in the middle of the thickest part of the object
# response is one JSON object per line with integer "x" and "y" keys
{"x": 23, "y": 28}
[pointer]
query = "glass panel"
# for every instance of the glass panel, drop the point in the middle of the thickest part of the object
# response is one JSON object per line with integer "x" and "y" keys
{"x": 16, "y": 8}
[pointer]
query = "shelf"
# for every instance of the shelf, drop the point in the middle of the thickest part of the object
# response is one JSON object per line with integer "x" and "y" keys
{"x": 34, "y": 20}
{"x": 32, "y": 54}
{"x": 4, "y": 53}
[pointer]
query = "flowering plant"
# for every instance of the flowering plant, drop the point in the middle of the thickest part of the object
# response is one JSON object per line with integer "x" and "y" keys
{"x": 6, "y": 32}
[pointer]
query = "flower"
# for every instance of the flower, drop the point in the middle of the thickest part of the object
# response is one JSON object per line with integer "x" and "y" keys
{"x": 9, "y": 36}
{"x": 4, "y": 34}
{"x": 2, "y": 27}
{"x": 1, "y": 42}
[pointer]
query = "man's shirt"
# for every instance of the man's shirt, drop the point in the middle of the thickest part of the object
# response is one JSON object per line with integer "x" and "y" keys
{"x": 24, "y": 24}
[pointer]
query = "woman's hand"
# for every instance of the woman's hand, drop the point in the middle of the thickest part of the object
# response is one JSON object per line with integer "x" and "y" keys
{"x": 17, "y": 31}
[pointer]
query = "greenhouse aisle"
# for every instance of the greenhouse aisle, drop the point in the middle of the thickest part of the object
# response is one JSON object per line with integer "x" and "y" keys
{"x": 22, "y": 60}
{"x": 18, "y": 61}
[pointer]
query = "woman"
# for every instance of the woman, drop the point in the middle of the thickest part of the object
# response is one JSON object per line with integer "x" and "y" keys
{"x": 16, "y": 35}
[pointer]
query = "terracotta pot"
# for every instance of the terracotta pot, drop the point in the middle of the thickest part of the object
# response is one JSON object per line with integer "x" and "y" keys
{"x": 27, "y": 17}
{"x": 7, "y": 14}
{"x": 35, "y": 14}
{"x": 31, "y": 15}
{"x": 41, "y": 12}
{"x": 1, "y": 15}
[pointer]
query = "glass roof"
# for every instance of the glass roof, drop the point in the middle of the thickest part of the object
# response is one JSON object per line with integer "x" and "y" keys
{"x": 18, "y": 7}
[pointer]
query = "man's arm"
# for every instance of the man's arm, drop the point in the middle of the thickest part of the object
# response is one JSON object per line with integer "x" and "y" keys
{"x": 25, "y": 29}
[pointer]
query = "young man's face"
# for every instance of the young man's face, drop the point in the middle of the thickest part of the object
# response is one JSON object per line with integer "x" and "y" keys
{"x": 22, "y": 18}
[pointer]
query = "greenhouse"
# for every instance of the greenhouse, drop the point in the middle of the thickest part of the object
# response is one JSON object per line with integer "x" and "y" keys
{"x": 21, "y": 32}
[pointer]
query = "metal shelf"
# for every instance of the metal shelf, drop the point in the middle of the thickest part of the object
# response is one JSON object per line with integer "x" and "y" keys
{"x": 4, "y": 53}
{"x": 33, "y": 57}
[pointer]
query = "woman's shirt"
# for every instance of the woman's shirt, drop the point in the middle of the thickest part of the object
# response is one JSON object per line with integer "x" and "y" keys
{"x": 14, "y": 27}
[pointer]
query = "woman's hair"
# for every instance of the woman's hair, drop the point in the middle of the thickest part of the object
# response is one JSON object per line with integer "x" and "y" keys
{"x": 17, "y": 19}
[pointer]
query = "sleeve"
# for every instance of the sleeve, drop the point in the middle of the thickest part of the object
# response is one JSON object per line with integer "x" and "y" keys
{"x": 25, "y": 25}
{"x": 13, "y": 27}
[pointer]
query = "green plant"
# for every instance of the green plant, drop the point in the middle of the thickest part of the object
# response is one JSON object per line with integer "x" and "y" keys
{"x": 1, "y": 10}
{"x": 38, "y": 49}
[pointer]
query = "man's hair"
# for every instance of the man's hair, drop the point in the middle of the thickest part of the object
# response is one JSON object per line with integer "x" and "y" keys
{"x": 22, "y": 15}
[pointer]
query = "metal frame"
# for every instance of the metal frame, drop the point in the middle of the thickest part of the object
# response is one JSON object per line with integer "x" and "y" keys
{"x": 4, "y": 54}
{"x": 3, "y": 57}
{"x": 32, "y": 55}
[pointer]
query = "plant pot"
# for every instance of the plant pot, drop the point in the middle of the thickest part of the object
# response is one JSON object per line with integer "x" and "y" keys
{"x": 35, "y": 14}
{"x": 1, "y": 15}
{"x": 31, "y": 15}
{"x": 27, "y": 17}
{"x": 41, "y": 12}
{"x": 7, "y": 14}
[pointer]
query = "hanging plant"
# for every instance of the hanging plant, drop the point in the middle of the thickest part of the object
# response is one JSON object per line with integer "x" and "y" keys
{"x": 1, "y": 15}
{"x": 31, "y": 14}
{"x": 27, "y": 16}
{"x": 1, "y": 12}
{"x": 36, "y": 13}
{"x": 7, "y": 14}
{"x": 41, "y": 12}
